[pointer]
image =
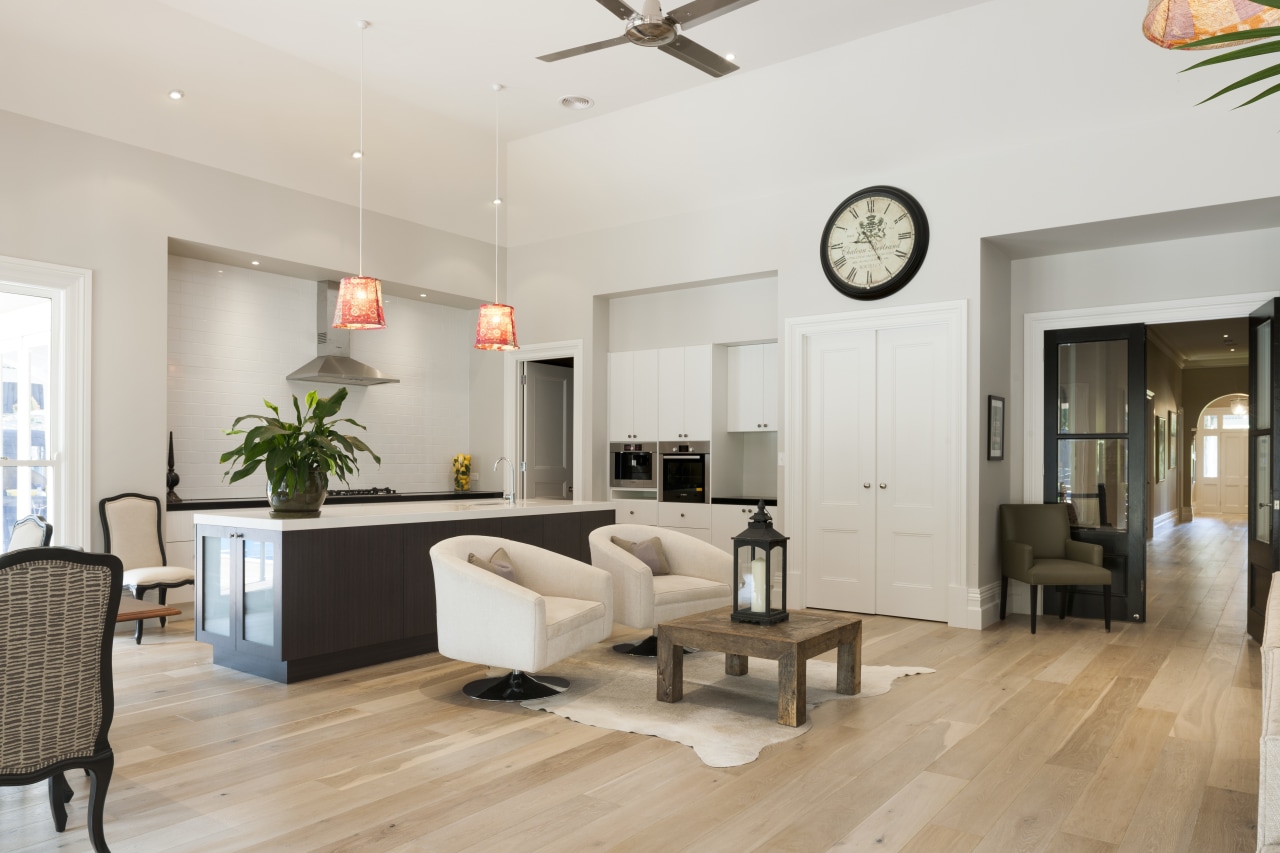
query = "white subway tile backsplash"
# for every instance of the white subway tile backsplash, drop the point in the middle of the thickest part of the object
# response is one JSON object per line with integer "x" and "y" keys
{"x": 234, "y": 336}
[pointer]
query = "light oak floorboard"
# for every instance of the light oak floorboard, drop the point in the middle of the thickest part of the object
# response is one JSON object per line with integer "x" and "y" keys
{"x": 1070, "y": 741}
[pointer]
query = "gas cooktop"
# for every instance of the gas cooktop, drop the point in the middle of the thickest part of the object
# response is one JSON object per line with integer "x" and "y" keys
{"x": 376, "y": 490}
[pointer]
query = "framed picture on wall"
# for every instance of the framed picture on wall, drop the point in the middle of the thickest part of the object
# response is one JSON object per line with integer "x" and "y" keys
{"x": 1173, "y": 439}
{"x": 1162, "y": 449}
{"x": 995, "y": 428}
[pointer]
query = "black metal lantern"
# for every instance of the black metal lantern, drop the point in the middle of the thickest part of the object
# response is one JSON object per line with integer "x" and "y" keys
{"x": 768, "y": 555}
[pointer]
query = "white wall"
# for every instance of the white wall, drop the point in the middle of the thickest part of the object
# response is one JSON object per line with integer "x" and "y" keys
{"x": 80, "y": 200}
{"x": 233, "y": 337}
{"x": 731, "y": 313}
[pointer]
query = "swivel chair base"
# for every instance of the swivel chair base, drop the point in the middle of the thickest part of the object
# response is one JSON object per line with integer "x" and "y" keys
{"x": 647, "y": 648}
{"x": 515, "y": 686}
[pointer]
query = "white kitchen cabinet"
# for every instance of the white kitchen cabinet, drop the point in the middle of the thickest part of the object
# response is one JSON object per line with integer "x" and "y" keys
{"x": 684, "y": 393}
{"x": 693, "y": 519}
{"x": 636, "y": 512}
{"x": 753, "y": 388}
{"x": 633, "y": 395}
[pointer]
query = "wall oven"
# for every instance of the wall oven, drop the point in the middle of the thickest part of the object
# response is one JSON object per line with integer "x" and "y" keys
{"x": 633, "y": 465}
{"x": 684, "y": 472}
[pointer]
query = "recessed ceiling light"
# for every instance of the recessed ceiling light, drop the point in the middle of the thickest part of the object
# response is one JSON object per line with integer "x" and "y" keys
{"x": 423, "y": 295}
{"x": 497, "y": 201}
{"x": 577, "y": 102}
{"x": 730, "y": 57}
{"x": 1226, "y": 336}
{"x": 176, "y": 94}
{"x": 255, "y": 263}
{"x": 356, "y": 155}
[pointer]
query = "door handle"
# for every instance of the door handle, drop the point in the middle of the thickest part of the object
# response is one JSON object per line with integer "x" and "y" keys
{"x": 884, "y": 485}
{"x": 866, "y": 485}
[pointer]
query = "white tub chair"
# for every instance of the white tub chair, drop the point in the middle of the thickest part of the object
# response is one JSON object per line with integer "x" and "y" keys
{"x": 556, "y": 606}
{"x": 700, "y": 579}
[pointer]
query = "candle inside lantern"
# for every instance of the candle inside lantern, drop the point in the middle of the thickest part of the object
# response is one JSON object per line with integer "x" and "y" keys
{"x": 759, "y": 582}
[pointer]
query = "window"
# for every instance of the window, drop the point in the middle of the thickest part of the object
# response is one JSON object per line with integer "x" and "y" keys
{"x": 44, "y": 416}
{"x": 1210, "y": 456}
{"x": 1235, "y": 421}
{"x": 1210, "y": 421}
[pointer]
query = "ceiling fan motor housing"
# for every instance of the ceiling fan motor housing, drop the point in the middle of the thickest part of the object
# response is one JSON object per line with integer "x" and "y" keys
{"x": 651, "y": 31}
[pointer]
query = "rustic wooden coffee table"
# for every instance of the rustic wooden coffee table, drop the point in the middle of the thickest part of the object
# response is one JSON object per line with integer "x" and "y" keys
{"x": 806, "y": 634}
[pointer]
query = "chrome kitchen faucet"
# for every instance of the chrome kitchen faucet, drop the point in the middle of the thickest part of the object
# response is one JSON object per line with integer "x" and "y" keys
{"x": 510, "y": 494}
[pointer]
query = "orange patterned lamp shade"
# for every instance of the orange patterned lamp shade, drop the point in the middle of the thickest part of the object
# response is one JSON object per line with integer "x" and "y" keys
{"x": 1173, "y": 23}
{"x": 359, "y": 304}
{"x": 496, "y": 328}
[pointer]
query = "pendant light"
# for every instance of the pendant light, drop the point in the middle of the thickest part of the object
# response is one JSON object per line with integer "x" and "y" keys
{"x": 496, "y": 326}
{"x": 360, "y": 297}
{"x": 1173, "y": 23}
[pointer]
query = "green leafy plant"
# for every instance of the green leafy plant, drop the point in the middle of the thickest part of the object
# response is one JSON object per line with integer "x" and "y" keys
{"x": 289, "y": 451}
{"x": 1270, "y": 43}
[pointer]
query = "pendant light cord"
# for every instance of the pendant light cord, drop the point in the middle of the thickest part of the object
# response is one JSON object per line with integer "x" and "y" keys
{"x": 364, "y": 25}
{"x": 497, "y": 183}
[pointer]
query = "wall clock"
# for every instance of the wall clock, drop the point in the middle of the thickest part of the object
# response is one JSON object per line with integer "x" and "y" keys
{"x": 874, "y": 243}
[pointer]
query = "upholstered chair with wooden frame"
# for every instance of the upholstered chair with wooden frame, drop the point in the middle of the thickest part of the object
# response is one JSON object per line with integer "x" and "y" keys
{"x": 551, "y": 607}
{"x": 1036, "y": 548}
{"x": 55, "y": 714}
{"x": 131, "y": 531}
{"x": 30, "y": 532}
{"x": 699, "y": 578}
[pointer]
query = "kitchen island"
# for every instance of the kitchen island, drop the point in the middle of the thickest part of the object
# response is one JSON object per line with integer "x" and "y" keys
{"x": 291, "y": 599}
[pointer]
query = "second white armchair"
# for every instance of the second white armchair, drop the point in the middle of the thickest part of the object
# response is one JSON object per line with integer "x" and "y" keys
{"x": 699, "y": 576}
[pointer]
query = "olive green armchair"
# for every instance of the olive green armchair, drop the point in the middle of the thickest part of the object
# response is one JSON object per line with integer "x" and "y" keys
{"x": 1036, "y": 548}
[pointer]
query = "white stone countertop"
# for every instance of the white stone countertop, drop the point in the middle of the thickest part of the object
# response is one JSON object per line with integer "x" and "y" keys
{"x": 372, "y": 514}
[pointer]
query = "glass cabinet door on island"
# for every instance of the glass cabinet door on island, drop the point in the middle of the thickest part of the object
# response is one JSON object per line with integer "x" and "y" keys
{"x": 238, "y": 578}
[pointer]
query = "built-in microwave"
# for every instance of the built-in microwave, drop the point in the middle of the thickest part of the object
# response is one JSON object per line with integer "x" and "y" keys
{"x": 633, "y": 465}
{"x": 684, "y": 472}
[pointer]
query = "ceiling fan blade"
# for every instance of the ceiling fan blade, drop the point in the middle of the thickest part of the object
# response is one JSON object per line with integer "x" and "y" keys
{"x": 619, "y": 8}
{"x": 701, "y": 11}
{"x": 586, "y": 48}
{"x": 698, "y": 56}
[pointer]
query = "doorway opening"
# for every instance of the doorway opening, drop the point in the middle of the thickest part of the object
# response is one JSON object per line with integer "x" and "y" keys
{"x": 1220, "y": 457}
{"x": 545, "y": 439}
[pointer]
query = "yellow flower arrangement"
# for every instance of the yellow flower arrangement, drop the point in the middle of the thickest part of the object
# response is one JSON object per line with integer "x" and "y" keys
{"x": 462, "y": 472}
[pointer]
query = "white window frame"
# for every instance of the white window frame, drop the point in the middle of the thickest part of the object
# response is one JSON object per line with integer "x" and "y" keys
{"x": 70, "y": 352}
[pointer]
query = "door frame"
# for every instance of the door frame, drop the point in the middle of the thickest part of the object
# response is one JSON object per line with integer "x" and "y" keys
{"x": 796, "y": 332}
{"x": 511, "y": 415}
{"x": 1035, "y": 325}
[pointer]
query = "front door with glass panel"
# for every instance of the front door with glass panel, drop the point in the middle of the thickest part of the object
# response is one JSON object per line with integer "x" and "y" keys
{"x": 1264, "y": 374}
{"x": 1095, "y": 455}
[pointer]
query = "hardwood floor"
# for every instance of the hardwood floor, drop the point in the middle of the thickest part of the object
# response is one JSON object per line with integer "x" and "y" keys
{"x": 1144, "y": 739}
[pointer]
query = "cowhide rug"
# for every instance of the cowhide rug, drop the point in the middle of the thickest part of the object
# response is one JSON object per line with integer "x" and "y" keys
{"x": 726, "y": 719}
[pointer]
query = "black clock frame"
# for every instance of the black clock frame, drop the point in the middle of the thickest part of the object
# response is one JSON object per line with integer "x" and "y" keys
{"x": 910, "y": 268}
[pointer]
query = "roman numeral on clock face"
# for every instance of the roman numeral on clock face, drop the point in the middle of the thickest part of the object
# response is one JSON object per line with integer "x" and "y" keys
{"x": 839, "y": 263}
{"x": 900, "y": 253}
{"x": 905, "y": 235}
{"x": 871, "y": 205}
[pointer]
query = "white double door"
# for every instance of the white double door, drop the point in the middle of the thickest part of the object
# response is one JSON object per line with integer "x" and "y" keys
{"x": 878, "y": 490}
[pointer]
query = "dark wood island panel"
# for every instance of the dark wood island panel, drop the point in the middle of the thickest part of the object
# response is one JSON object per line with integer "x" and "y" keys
{"x": 299, "y": 604}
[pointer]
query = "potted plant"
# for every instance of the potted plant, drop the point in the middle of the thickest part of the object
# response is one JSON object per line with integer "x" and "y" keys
{"x": 298, "y": 456}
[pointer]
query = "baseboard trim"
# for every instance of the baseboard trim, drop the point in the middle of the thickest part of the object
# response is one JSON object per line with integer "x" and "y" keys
{"x": 1167, "y": 519}
{"x": 1187, "y": 514}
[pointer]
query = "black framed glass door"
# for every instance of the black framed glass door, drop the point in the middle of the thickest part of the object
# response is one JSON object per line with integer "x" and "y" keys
{"x": 1095, "y": 451}
{"x": 1264, "y": 487}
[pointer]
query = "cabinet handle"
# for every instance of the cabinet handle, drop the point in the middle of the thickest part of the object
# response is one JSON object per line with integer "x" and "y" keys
{"x": 884, "y": 485}
{"x": 682, "y": 515}
{"x": 631, "y": 511}
{"x": 866, "y": 485}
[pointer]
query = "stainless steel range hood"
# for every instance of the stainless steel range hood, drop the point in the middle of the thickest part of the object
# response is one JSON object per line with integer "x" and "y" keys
{"x": 334, "y": 363}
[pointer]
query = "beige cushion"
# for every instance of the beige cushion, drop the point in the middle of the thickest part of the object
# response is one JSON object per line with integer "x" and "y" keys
{"x": 681, "y": 589}
{"x": 568, "y": 614}
{"x": 158, "y": 574}
{"x": 499, "y": 564}
{"x": 649, "y": 552}
{"x": 135, "y": 532}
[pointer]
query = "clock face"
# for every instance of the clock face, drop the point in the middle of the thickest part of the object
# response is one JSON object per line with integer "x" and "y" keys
{"x": 874, "y": 242}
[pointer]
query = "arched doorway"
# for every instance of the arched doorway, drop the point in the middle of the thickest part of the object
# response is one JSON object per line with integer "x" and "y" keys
{"x": 1220, "y": 457}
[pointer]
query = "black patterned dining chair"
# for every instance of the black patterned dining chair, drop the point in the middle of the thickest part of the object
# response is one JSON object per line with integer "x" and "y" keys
{"x": 56, "y": 695}
{"x": 131, "y": 531}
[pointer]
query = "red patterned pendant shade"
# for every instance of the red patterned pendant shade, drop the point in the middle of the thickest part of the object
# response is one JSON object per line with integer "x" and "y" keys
{"x": 496, "y": 328}
{"x": 359, "y": 304}
{"x": 1173, "y": 23}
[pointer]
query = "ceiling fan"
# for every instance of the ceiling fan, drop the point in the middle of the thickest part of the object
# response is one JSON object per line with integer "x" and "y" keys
{"x": 652, "y": 28}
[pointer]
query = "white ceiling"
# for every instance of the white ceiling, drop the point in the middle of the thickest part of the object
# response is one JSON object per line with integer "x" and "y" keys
{"x": 272, "y": 86}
